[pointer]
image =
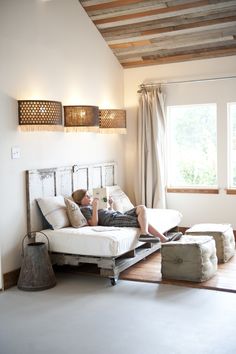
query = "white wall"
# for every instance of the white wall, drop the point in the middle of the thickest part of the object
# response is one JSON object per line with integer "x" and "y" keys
{"x": 196, "y": 208}
{"x": 49, "y": 50}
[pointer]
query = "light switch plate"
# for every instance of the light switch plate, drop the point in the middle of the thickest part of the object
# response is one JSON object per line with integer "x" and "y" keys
{"x": 15, "y": 152}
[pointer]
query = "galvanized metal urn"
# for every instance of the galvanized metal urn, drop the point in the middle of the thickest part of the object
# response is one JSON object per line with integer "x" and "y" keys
{"x": 36, "y": 270}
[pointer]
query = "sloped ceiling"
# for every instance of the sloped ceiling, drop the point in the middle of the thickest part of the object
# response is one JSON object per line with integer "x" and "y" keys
{"x": 158, "y": 32}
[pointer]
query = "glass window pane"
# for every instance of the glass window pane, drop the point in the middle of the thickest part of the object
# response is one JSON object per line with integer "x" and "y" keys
{"x": 192, "y": 145}
{"x": 232, "y": 144}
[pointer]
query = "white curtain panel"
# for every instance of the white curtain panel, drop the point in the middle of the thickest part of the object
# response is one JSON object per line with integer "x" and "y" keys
{"x": 150, "y": 189}
{"x": 1, "y": 275}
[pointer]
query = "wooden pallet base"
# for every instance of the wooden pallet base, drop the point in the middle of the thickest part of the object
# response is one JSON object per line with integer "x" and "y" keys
{"x": 109, "y": 267}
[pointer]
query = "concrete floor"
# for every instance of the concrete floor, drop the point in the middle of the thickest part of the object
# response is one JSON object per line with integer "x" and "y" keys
{"x": 85, "y": 315}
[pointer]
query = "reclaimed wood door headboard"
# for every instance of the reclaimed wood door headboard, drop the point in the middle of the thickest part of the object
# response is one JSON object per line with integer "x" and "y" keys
{"x": 63, "y": 181}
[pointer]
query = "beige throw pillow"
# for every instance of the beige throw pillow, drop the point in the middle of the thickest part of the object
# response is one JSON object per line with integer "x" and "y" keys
{"x": 54, "y": 211}
{"x": 76, "y": 218}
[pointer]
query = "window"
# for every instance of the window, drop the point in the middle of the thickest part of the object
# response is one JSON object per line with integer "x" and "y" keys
{"x": 232, "y": 144}
{"x": 192, "y": 146}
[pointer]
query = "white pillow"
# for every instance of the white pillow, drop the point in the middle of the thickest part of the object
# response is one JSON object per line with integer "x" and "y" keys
{"x": 122, "y": 202}
{"x": 76, "y": 218}
{"x": 54, "y": 211}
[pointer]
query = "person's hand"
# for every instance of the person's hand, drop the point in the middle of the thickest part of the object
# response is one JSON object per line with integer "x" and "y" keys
{"x": 95, "y": 202}
{"x": 110, "y": 201}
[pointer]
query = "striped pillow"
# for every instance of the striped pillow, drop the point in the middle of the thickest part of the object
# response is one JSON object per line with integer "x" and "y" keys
{"x": 54, "y": 211}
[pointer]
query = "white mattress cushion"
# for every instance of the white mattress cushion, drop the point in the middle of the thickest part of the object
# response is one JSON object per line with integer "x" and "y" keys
{"x": 106, "y": 241}
{"x": 100, "y": 241}
{"x": 164, "y": 219}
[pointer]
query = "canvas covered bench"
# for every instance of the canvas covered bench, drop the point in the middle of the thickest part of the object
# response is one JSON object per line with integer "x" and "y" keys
{"x": 223, "y": 236}
{"x": 192, "y": 258}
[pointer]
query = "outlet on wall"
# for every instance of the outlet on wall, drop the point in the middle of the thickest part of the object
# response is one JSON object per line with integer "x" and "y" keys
{"x": 15, "y": 152}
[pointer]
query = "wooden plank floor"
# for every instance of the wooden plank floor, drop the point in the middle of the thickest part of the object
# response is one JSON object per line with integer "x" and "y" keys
{"x": 149, "y": 270}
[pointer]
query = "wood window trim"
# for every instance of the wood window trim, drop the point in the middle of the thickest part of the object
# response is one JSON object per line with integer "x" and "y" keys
{"x": 231, "y": 191}
{"x": 194, "y": 190}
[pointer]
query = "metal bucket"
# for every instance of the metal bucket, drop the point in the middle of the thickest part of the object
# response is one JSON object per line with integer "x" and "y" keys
{"x": 36, "y": 271}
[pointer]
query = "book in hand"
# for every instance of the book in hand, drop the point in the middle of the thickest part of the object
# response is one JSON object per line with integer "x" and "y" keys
{"x": 103, "y": 197}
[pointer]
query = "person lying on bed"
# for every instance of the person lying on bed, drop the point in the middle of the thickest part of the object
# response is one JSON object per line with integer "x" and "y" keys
{"x": 136, "y": 217}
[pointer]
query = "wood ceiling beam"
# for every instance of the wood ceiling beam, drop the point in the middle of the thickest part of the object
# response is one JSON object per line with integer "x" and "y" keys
{"x": 150, "y": 6}
{"x": 190, "y": 25}
{"x": 206, "y": 54}
{"x": 109, "y": 5}
{"x": 190, "y": 5}
{"x": 177, "y": 48}
{"x": 171, "y": 29}
{"x": 178, "y": 19}
{"x": 191, "y": 49}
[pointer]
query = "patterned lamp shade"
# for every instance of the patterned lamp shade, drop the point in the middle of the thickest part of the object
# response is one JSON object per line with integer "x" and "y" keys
{"x": 112, "y": 121}
{"x": 81, "y": 118}
{"x": 40, "y": 115}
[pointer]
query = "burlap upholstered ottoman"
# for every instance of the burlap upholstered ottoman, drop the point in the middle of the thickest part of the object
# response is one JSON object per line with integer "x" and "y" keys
{"x": 223, "y": 236}
{"x": 193, "y": 258}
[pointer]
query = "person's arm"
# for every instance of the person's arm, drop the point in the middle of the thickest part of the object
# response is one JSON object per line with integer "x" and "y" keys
{"x": 94, "y": 220}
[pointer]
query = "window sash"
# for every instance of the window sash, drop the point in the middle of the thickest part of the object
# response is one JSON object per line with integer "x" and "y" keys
{"x": 173, "y": 183}
{"x": 231, "y": 113}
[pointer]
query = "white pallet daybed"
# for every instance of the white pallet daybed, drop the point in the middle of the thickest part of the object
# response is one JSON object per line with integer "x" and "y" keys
{"x": 111, "y": 249}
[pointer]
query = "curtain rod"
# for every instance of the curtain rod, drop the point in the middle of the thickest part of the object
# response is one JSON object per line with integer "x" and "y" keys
{"x": 186, "y": 81}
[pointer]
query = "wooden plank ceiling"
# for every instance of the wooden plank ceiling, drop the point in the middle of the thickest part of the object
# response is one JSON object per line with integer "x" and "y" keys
{"x": 158, "y": 32}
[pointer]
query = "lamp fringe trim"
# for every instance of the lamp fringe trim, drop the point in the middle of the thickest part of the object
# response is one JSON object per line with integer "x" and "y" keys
{"x": 113, "y": 130}
{"x": 32, "y": 128}
{"x": 81, "y": 129}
